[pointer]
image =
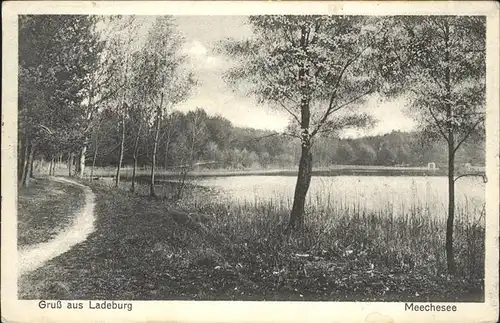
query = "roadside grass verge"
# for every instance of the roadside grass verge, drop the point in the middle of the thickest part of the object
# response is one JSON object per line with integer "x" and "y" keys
{"x": 44, "y": 208}
{"x": 201, "y": 249}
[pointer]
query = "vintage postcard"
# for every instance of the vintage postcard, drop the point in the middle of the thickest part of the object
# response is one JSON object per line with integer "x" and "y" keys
{"x": 250, "y": 161}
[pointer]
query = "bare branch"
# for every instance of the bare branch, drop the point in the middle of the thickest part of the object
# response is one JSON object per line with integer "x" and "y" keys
{"x": 280, "y": 102}
{"x": 467, "y": 135}
{"x": 436, "y": 123}
{"x": 289, "y": 111}
{"x": 439, "y": 26}
{"x": 485, "y": 179}
{"x": 330, "y": 108}
{"x": 336, "y": 108}
{"x": 332, "y": 97}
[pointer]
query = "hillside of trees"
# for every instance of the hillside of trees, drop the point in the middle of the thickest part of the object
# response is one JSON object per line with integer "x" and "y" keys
{"x": 196, "y": 137}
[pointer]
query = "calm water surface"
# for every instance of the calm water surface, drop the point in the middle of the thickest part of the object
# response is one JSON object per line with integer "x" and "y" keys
{"x": 370, "y": 193}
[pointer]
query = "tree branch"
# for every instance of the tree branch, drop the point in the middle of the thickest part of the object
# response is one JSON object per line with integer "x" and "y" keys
{"x": 289, "y": 111}
{"x": 485, "y": 179}
{"x": 439, "y": 26}
{"x": 109, "y": 95}
{"x": 336, "y": 108}
{"x": 266, "y": 75}
{"x": 467, "y": 135}
{"x": 332, "y": 98}
{"x": 330, "y": 108}
{"x": 436, "y": 123}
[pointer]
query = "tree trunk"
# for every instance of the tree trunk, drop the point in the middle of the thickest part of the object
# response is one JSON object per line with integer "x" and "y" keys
{"x": 31, "y": 161}
{"x": 122, "y": 139}
{"x": 50, "y": 166}
{"x": 27, "y": 164}
{"x": 301, "y": 188}
{"x": 75, "y": 164}
{"x": 305, "y": 163}
{"x": 450, "y": 261}
{"x": 22, "y": 154}
{"x": 122, "y": 143}
{"x": 191, "y": 151}
{"x": 53, "y": 164}
{"x": 81, "y": 168}
{"x": 93, "y": 164}
{"x": 451, "y": 205}
{"x": 136, "y": 149}
{"x": 70, "y": 163}
{"x": 132, "y": 188}
{"x": 166, "y": 148}
{"x": 155, "y": 147}
{"x": 24, "y": 171}
{"x": 96, "y": 145}
{"x": 182, "y": 183}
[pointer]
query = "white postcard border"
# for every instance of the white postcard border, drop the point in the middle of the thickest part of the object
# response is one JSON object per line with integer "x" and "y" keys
{"x": 14, "y": 310}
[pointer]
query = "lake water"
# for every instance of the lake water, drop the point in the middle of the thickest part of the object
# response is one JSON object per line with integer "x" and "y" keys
{"x": 369, "y": 193}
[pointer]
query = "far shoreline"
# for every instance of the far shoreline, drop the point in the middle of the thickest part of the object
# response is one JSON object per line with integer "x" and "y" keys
{"x": 344, "y": 170}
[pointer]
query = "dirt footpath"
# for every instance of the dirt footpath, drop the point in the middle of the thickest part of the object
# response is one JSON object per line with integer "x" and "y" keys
{"x": 32, "y": 257}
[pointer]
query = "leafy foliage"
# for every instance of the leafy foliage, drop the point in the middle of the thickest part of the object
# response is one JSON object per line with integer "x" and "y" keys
{"x": 56, "y": 56}
{"x": 440, "y": 61}
{"x": 321, "y": 61}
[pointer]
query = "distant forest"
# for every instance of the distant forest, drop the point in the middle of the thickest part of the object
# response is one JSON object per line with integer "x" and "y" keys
{"x": 199, "y": 138}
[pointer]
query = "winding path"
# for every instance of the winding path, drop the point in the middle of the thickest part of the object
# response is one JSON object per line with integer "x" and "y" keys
{"x": 33, "y": 257}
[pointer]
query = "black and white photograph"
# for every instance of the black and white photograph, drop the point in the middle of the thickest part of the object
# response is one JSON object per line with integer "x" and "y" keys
{"x": 281, "y": 157}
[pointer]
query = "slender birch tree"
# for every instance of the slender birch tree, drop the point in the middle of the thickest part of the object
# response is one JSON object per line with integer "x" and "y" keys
{"x": 440, "y": 62}
{"x": 167, "y": 81}
{"x": 102, "y": 84}
{"x": 315, "y": 68}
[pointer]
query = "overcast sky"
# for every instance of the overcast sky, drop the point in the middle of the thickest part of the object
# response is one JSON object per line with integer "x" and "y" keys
{"x": 212, "y": 94}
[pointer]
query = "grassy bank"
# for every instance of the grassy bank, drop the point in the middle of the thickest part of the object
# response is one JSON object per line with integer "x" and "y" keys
{"x": 156, "y": 249}
{"x": 44, "y": 208}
